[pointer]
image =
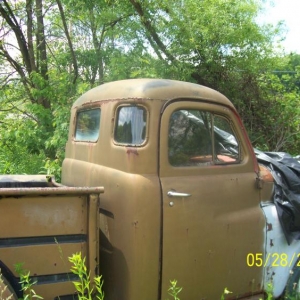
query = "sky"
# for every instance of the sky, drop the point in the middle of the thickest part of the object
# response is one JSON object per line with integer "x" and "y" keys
{"x": 289, "y": 12}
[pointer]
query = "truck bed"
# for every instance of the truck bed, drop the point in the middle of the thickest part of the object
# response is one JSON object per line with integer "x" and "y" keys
{"x": 42, "y": 223}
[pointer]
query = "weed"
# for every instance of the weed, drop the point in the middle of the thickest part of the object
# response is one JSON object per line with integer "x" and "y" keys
{"x": 26, "y": 283}
{"x": 269, "y": 291}
{"x": 174, "y": 290}
{"x": 84, "y": 286}
{"x": 226, "y": 292}
{"x": 269, "y": 294}
{"x": 293, "y": 296}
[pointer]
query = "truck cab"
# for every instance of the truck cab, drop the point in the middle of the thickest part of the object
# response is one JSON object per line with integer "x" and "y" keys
{"x": 184, "y": 197}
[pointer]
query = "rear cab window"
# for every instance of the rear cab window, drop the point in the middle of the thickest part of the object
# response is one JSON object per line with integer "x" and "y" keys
{"x": 131, "y": 125}
{"x": 87, "y": 125}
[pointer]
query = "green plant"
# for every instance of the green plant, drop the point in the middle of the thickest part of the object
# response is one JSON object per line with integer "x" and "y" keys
{"x": 294, "y": 295}
{"x": 26, "y": 283}
{"x": 269, "y": 291}
{"x": 174, "y": 290}
{"x": 226, "y": 292}
{"x": 84, "y": 285}
{"x": 291, "y": 295}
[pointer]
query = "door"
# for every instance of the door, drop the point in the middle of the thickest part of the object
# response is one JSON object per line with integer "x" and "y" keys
{"x": 211, "y": 211}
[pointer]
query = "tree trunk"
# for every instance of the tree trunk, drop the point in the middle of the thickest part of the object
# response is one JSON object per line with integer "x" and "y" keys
{"x": 152, "y": 34}
{"x": 30, "y": 34}
{"x": 74, "y": 60}
{"x": 8, "y": 15}
{"x": 41, "y": 50}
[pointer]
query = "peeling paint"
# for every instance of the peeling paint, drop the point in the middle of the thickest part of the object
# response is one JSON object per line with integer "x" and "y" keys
{"x": 269, "y": 227}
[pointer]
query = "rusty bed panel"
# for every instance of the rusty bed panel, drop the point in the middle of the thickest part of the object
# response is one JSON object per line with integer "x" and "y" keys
{"x": 43, "y": 226}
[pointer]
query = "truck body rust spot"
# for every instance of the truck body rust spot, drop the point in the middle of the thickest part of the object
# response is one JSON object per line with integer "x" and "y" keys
{"x": 269, "y": 227}
{"x": 130, "y": 150}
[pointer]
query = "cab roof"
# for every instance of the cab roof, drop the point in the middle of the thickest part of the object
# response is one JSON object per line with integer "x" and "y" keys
{"x": 154, "y": 89}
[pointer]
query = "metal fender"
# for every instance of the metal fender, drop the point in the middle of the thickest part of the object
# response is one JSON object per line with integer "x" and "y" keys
{"x": 280, "y": 257}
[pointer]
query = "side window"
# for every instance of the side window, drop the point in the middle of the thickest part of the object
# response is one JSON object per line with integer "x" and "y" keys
{"x": 226, "y": 147}
{"x": 130, "y": 128}
{"x": 87, "y": 125}
{"x": 199, "y": 138}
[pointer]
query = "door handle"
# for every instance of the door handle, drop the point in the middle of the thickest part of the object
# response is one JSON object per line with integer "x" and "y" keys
{"x": 176, "y": 194}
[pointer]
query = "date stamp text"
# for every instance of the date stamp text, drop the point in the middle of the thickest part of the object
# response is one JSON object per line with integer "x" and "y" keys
{"x": 272, "y": 259}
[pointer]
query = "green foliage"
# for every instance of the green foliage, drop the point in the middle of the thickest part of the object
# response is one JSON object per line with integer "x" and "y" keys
{"x": 51, "y": 167}
{"x": 226, "y": 292}
{"x": 26, "y": 283}
{"x": 86, "y": 289}
{"x": 279, "y": 114}
{"x": 215, "y": 43}
{"x": 269, "y": 291}
{"x": 287, "y": 296}
{"x": 174, "y": 290}
{"x": 84, "y": 286}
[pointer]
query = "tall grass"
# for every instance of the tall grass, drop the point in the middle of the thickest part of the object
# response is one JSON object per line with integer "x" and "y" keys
{"x": 89, "y": 290}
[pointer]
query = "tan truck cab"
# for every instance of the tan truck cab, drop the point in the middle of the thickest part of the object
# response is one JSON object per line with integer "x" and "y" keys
{"x": 183, "y": 191}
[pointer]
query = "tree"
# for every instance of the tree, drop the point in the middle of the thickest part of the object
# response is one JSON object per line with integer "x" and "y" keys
{"x": 52, "y": 51}
{"x": 281, "y": 92}
{"x": 27, "y": 93}
{"x": 220, "y": 45}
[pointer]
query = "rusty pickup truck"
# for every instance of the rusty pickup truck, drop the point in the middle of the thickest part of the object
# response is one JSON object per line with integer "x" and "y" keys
{"x": 185, "y": 198}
